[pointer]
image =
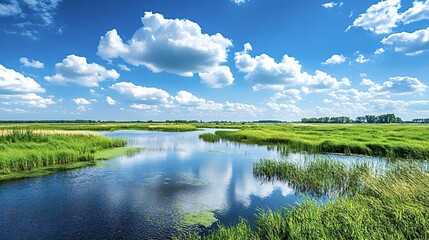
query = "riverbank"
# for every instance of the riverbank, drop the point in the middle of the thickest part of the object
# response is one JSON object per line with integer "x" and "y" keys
{"x": 25, "y": 153}
{"x": 392, "y": 141}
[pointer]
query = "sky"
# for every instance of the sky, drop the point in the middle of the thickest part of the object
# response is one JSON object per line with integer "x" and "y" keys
{"x": 233, "y": 60}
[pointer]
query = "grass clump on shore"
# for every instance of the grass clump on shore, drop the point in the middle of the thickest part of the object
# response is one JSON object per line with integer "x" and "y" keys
{"x": 24, "y": 150}
{"x": 394, "y": 205}
{"x": 210, "y": 137}
{"x": 318, "y": 178}
{"x": 116, "y": 152}
{"x": 394, "y": 141}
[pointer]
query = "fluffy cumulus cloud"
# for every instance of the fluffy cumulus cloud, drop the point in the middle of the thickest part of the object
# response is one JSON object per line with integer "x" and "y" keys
{"x": 335, "y": 59}
{"x": 147, "y": 95}
{"x": 264, "y": 72}
{"x": 381, "y": 17}
{"x": 12, "y": 81}
{"x": 403, "y": 85}
{"x": 31, "y": 63}
{"x": 217, "y": 77}
{"x": 419, "y": 11}
{"x": 28, "y": 100}
{"x": 173, "y": 45}
{"x": 411, "y": 44}
{"x": 75, "y": 69}
{"x": 187, "y": 99}
{"x": 110, "y": 101}
{"x": 393, "y": 86}
{"x": 81, "y": 101}
{"x": 361, "y": 59}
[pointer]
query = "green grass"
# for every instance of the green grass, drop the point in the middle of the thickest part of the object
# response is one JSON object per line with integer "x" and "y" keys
{"x": 321, "y": 177}
{"x": 394, "y": 205}
{"x": 116, "y": 152}
{"x": 209, "y": 137}
{"x": 23, "y": 151}
{"x": 393, "y": 141}
{"x": 171, "y": 127}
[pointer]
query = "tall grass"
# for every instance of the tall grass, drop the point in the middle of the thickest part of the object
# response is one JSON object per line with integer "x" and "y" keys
{"x": 390, "y": 141}
{"x": 24, "y": 150}
{"x": 209, "y": 137}
{"x": 318, "y": 178}
{"x": 392, "y": 206}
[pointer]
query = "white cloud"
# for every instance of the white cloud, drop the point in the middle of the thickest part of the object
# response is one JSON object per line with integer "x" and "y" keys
{"x": 44, "y": 10}
{"x": 217, "y": 77}
{"x": 239, "y": 2}
{"x": 379, "y": 51}
{"x": 187, "y": 99}
{"x": 9, "y": 9}
{"x": 75, "y": 69}
{"x": 403, "y": 85}
{"x": 124, "y": 67}
{"x": 12, "y": 81}
{"x": 31, "y": 63}
{"x": 144, "y": 107}
{"x": 264, "y": 72}
{"x": 28, "y": 100}
{"x": 332, "y": 4}
{"x": 145, "y": 94}
{"x": 361, "y": 59}
{"x": 411, "y": 44}
{"x": 284, "y": 107}
{"x": 367, "y": 82}
{"x": 81, "y": 101}
{"x": 83, "y": 108}
{"x": 335, "y": 59}
{"x": 381, "y": 17}
{"x": 289, "y": 95}
{"x": 172, "y": 45}
{"x": 110, "y": 101}
{"x": 350, "y": 95}
{"x": 241, "y": 108}
{"x": 13, "y": 110}
{"x": 419, "y": 11}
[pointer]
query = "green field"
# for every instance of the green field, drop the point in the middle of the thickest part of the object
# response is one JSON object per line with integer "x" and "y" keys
{"x": 394, "y": 141}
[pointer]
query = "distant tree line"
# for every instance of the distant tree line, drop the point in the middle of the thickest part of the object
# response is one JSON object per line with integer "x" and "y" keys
{"x": 384, "y": 118}
{"x": 420, "y": 120}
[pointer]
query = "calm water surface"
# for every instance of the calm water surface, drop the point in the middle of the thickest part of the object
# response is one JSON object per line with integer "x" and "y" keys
{"x": 140, "y": 196}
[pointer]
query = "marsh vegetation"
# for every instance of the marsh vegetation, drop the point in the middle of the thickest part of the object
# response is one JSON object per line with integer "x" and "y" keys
{"x": 23, "y": 151}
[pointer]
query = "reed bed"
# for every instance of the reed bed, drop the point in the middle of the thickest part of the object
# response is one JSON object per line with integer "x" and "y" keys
{"x": 322, "y": 177}
{"x": 25, "y": 150}
{"x": 392, "y": 141}
{"x": 394, "y": 205}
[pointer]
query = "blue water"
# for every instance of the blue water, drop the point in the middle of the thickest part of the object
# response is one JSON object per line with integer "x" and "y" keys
{"x": 139, "y": 196}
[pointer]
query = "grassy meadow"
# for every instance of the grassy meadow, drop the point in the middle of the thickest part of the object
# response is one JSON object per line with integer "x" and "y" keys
{"x": 393, "y": 141}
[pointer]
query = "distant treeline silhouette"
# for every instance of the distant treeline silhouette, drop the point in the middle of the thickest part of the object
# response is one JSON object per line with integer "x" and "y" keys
{"x": 384, "y": 118}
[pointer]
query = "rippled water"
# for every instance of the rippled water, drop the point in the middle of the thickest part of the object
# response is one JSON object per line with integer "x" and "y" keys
{"x": 141, "y": 196}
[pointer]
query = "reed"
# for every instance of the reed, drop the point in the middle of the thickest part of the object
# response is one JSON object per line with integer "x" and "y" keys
{"x": 393, "y": 141}
{"x": 24, "y": 150}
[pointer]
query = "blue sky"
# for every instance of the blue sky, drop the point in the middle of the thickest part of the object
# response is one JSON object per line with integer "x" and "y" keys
{"x": 212, "y": 59}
